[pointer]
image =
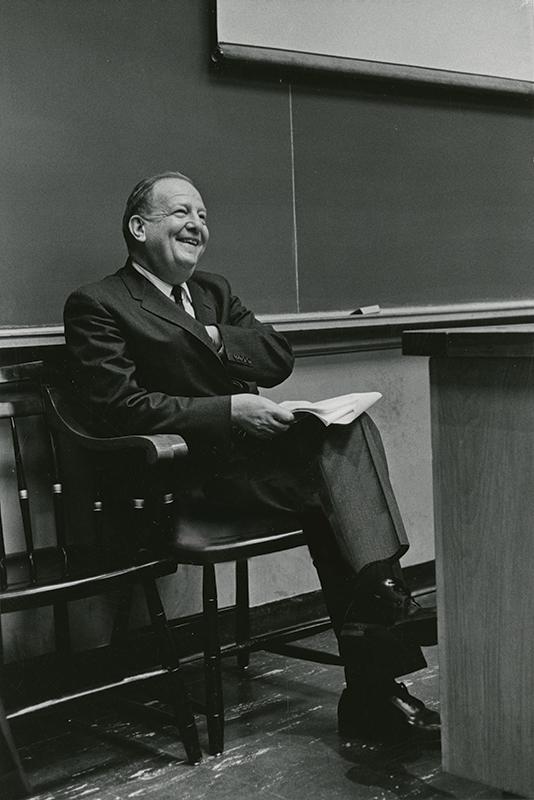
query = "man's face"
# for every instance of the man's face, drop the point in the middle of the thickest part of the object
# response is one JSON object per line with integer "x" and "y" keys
{"x": 174, "y": 233}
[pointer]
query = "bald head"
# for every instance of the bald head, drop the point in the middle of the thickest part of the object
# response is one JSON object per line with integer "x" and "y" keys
{"x": 140, "y": 200}
{"x": 165, "y": 226}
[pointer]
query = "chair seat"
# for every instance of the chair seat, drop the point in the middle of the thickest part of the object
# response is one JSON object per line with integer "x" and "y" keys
{"x": 204, "y": 535}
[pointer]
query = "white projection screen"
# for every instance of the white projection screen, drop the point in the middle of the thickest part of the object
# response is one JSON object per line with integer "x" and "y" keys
{"x": 486, "y": 44}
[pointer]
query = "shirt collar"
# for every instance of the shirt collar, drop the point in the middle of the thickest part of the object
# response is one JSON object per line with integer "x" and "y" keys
{"x": 163, "y": 286}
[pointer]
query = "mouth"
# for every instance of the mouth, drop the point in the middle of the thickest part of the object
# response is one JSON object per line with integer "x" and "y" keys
{"x": 189, "y": 241}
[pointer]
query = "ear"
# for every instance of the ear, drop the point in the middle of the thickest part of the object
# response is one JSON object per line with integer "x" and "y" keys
{"x": 136, "y": 226}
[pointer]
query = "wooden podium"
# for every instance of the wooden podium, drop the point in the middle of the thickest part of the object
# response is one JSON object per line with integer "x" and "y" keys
{"x": 482, "y": 412}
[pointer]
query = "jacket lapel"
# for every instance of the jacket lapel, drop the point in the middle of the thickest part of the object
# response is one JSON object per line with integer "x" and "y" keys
{"x": 203, "y": 304}
{"x": 155, "y": 302}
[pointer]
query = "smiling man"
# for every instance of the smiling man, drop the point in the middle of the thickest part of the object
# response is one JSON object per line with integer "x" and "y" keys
{"x": 162, "y": 347}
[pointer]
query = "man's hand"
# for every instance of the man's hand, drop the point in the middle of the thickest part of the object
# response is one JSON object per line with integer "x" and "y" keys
{"x": 215, "y": 335}
{"x": 259, "y": 416}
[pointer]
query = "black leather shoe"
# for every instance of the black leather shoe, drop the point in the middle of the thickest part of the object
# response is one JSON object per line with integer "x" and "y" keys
{"x": 413, "y": 712}
{"x": 389, "y": 604}
{"x": 391, "y": 715}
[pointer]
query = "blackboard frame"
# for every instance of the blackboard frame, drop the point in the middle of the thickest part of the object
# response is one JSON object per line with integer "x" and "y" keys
{"x": 296, "y": 63}
{"x": 226, "y": 52}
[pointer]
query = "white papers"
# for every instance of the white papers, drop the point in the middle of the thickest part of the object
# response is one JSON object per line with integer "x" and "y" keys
{"x": 335, "y": 410}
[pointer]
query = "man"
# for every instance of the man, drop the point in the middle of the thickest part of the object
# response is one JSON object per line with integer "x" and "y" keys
{"x": 163, "y": 347}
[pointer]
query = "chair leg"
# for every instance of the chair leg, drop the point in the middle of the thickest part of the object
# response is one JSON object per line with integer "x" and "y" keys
{"x": 13, "y": 781}
{"x": 62, "y": 628}
{"x": 121, "y": 617}
{"x": 169, "y": 659}
{"x": 62, "y": 635}
{"x": 212, "y": 663}
{"x": 242, "y": 602}
{"x": 122, "y": 600}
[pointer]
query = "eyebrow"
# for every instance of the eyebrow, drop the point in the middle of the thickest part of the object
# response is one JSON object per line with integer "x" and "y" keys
{"x": 186, "y": 203}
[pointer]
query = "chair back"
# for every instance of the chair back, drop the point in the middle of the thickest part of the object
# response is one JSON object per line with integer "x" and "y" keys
{"x": 129, "y": 475}
{"x": 30, "y": 451}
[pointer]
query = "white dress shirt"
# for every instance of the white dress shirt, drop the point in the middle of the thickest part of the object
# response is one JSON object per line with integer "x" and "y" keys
{"x": 166, "y": 288}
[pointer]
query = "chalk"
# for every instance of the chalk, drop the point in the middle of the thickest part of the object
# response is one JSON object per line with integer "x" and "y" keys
{"x": 366, "y": 310}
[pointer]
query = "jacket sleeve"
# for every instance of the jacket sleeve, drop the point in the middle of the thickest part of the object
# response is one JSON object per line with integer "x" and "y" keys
{"x": 105, "y": 376}
{"x": 254, "y": 351}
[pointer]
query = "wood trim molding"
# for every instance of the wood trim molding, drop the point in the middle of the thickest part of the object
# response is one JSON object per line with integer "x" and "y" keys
{"x": 488, "y": 341}
{"x": 344, "y": 332}
{"x": 312, "y": 334}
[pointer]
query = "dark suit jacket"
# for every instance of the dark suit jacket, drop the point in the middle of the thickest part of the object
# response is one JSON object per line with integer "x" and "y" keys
{"x": 145, "y": 366}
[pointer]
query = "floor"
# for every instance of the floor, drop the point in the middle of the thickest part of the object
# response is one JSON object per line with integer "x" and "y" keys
{"x": 282, "y": 743}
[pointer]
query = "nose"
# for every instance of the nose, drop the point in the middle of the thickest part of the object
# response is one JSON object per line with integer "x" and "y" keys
{"x": 195, "y": 224}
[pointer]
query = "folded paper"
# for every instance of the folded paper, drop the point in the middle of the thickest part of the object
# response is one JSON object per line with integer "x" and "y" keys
{"x": 339, "y": 410}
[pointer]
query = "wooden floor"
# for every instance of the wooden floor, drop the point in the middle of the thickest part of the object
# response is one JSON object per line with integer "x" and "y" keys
{"x": 282, "y": 742}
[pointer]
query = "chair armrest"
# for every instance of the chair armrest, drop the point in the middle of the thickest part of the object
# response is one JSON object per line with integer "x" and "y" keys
{"x": 157, "y": 448}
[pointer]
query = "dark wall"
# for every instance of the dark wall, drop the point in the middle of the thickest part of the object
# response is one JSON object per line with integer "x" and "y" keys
{"x": 396, "y": 201}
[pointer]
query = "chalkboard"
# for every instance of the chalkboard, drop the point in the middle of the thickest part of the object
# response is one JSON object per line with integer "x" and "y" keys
{"x": 319, "y": 198}
{"x": 407, "y": 203}
{"x": 96, "y": 95}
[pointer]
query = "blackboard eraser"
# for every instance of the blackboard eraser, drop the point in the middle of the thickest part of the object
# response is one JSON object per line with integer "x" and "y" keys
{"x": 366, "y": 310}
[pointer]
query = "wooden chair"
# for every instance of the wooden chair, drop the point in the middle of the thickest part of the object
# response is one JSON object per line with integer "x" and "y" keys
{"x": 208, "y": 537}
{"x": 195, "y": 534}
{"x": 32, "y": 575}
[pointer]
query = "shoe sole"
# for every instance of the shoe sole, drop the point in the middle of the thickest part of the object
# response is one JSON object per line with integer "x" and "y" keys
{"x": 421, "y": 632}
{"x": 401, "y": 732}
{"x": 389, "y": 730}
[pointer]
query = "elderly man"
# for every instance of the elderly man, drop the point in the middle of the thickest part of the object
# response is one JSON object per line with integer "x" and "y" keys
{"x": 160, "y": 346}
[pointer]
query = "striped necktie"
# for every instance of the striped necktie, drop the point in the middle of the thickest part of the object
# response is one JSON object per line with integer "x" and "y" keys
{"x": 177, "y": 295}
